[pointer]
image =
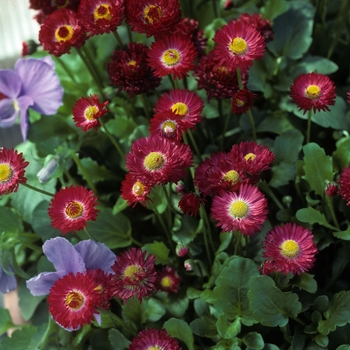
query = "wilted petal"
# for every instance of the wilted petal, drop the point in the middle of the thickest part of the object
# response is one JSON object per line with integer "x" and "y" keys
{"x": 96, "y": 255}
{"x": 41, "y": 284}
{"x": 8, "y": 114}
{"x": 10, "y": 83}
{"x": 41, "y": 83}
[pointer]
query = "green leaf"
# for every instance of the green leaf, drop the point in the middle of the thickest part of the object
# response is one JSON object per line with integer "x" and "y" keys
{"x": 159, "y": 250}
{"x": 180, "y": 330}
{"x": 204, "y": 326}
{"x": 121, "y": 126}
{"x": 343, "y": 347}
{"x": 313, "y": 216}
{"x": 153, "y": 310}
{"x": 282, "y": 173}
{"x": 317, "y": 166}
{"x": 112, "y": 230}
{"x": 294, "y": 39}
{"x": 322, "y": 340}
{"x": 341, "y": 156}
{"x": 338, "y": 313}
{"x": 287, "y": 146}
{"x": 120, "y": 205}
{"x": 117, "y": 340}
{"x": 305, "y": 281}
{"x": 96, "y": 172}
{"x": 344, "y": 235}
{"x": 230, "y": 294}
{"x": 254, "y": 340}
{"x": 274, "y": 8}
{"x": 317, "y": 64}
{"x": 5, "y": 321}
{"x": 10, "y": 223}
{"x": 21, "y": 339}
{"x": 270, "y": 306}
{"x": 228, "y": 330}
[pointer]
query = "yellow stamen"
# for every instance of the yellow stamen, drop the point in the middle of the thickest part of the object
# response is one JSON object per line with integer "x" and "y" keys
{"x": 169, "y": 127}
{"x": 239, "y": 209}
{"x": 166, "y": 282}
{"x": 74, "y": 210}
{"x": 61, "y": 3}
{"x": 131, "y": 271}
{"x": 74, "y": 300}
{"x": 154, "y": 161}
{"x": 250, "y": 156}
{"x": 152, "y": 14}
{"x": 238, "y": 46}
{"x": 239, "y": 103}
{"x": 289, "y": 248}
{"x": 91, "y": 112}
{"x": 138, "y": 189}
{"x": 231, "y": 176}
{"x": 171, "y": 57}
{"x": 15, "y": 106}
{"x": 313, "y": 91}
{"x": 132, "y": 63}
{"x": 102, "y": 12}
{"x": 179, "y": 108}
{"x": 5, "y": 173}
{"x": 64, "y": 33}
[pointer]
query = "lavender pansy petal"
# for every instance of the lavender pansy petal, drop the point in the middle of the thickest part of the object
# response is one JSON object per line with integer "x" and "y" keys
{"x": 63, "y": 255}
{"x": 10, "y": 83}
{"x": 41, "y": 83}
{"x": 98, "y": 318}
{"x": 41, "y": 284}
{"x": 23, "y": 103}
{"x": 96, "y": 255}
{"x": 7, "y": 282}
{"x": 8, "y": 114}
{"x": 49, "y": 61}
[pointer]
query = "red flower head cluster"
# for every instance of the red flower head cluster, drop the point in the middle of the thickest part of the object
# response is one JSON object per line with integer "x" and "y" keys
{"x": 135, "y": 274}
{"x": 344, "y": 184}
{"x": 156, "y": 159}
{"x": 12, "y": 171}
{"x": 29, "y": 47}
{"x": 263, "y": 26}
{"x": 289, "y": 249}
{"x": 218, "y": 80}
{"x": 135, "y": 191}
{"x": 238, "y": 45}
{"x": 242, "y": 101}
{"x": 313, "y": 91}
{"x": 190, "y": 203}
{"x": 61, "y": 31}
{"x": 100, "y": 16}
{"x": 87, "y": 111}
{"x": 348, "y": 95}
{"x": 172, "y": 55}
{"x": 130, "y": 72}
{"x": 71, "y": 208}
{"x": 168, "y": 280}
{"x": 155, "y": 339}
{"x": 152, "y": 17}
{"x": 245, "y": 210}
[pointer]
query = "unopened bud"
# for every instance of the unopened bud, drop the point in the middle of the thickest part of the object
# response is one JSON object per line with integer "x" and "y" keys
{"x": 182, "y": 250}
{"x": 44, "y": 175}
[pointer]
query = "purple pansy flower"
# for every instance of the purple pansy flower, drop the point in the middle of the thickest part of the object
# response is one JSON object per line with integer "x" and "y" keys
{"x": 7, "y": 282}
{"x": 32, "y": 84}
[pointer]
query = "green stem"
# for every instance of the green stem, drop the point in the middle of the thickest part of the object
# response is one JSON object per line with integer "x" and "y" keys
{"x": 239, "y": 78}
{"x": 194, "y": 144}
{"x": 308, "y": 132}
{"x": 204, "y": 217}
{"x": 215, "y": 9}
{"x": 136, "y": 242}
{"x": 119, "y": 40}
{"x": 172, "y": 81}
{"x": 329, "y": 204}
{"x": 49, "y": 329}
{"x": 38, "y": 189}
{"x": 83, "y": 171}
{"x": 227, "y": 122}
{"x": 70, "y": 74}
{"x": 265, "y": 188}
{"x": 252, "y": 123}
{"x": 145, "y": 106}
{"x": 113, "y": 140}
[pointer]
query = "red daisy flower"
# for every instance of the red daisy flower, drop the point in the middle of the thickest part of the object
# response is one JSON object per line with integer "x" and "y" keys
{"x": 263, "y": 26}
{"x": 252, "y": 158}
{"x": 331, "y": 188}
{"x": 245, "y": 211}
{"x": 135, "y": 274}
{"x": 190, "y": 203}
{"x": 218, "y": 80}
{"x": 135, "y": 191}
{"x": 72, "y": 300}
{"x": 168, "y": 280}
{"x": 149, "y": 339}
{"x": 130, "y": 72}
{"x": 12, "y": 170}
{"x": 238, "y": 45}
{"x": 288, "y": 249}
{"x": 344, "y": 184}
{"x": 100, "y": 16}
{"x": 71, "y": 208}
{"x": 152, "y": 17}
{"x": 156, "y": 159}
{"x": 60, "y": 32}
{"x": 186, "y": 104}
{"x": 242, "y": 101}
{"x": 172, "y": 55}
{"x": 87, "y": 111}
{"x": 313, "y": 91}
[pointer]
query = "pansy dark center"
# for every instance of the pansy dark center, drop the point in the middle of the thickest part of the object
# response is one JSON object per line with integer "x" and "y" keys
{"x": 238, "y": 46}
{"x": 5, "y": 173}
{"x": 102, "y": 12}
{"x": 166, "y": 282}
{"x": 138, "y": 189}
{"x": 152, "y": 14}
{"x": 154, "y": 161}
{"x": 2, "y": 96}
{"x": 250, "y": 156}
{"x": 180, "y": 108}
{"x": 74, "y": 210}
{"x": 169, "y": 127}
{"x": 231, "y": 176}
{"x": 74, "y": 300}
{"x": 171, "y": 57}
{"x": 312, "y": 91}
{"x": 64, "y": 33}
{"x": 91, "y": 112}
{"x": 289, "y": 248}
{"x": 132, "y": 272}
{"x": 239, "y": 209}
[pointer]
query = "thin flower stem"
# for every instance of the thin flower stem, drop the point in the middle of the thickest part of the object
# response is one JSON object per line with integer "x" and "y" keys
{"x": 113, "y": 140}
{"x": 239, "y": 79}
{"x": 227, "y": 122}
{"x": 38, "y": 189}
{"x": 205, "y": 235}
{"x": 83, "y": 171}
{"x": 308, "y": 132}
{"x": 119, "y": 40}
{"x": 145, "y": 106}
{"x": 89, "y": 234}
{"x": 49, "y": 329}
{"x": 136, "y": 242}
{"x": 194, "y": 144}
{"x": 265, "y": 188}
{"x": 167, "y": 196}
{"x": 70, "y": 74}
{"x": 329, "y": 204}
{"x": 215, "y": 8}
{"x": 172, "y": 81}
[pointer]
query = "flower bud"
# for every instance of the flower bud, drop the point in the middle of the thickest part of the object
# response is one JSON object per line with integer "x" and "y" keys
{"x": 44, "y": 174}
{"x": 182, "y": 250}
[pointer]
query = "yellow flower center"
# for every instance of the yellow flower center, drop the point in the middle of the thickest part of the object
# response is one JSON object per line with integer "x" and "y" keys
{"x": 239, "y": 209}
{"x": 152, "y": 14}
{"x": 5, "y": 173}
{"x": 313, "y": 91}
{"x": 74, "y": 300}
{"x": 238, "y": 46}
{"x": 250, "y": 156}
{"x": 232, "y": 176}
{"x": 289, "y": 248}
{"x": 239, "y": 103}
{"x": 132, "y": 63}
{"x": 91, "y": 112}
{"x": 64, "y": 33}
{"x": 154, "y": 161}
{"x": 169, "y": 127}
{"x": 166, "y": 282}
{"x": 102, "y": 12}
{"x": 138, "y": 189}
{"x": 171, "y": 57}
{"x": 74, "y": 210}
{"x": 154, "y": 348}
{"x": 222, "y": 69}
{"x": 15, "y": 106}
{"x": 179, "y": 108}
{"x": 131, "y": 271}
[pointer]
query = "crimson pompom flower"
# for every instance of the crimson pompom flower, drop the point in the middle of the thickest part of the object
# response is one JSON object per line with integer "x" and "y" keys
{"x": 135, "y": 191}
{"x": 100, "y": 16}
{"x": 60, "y": 32}
{"x": 87, "y": 111}
{"x": 263, "y": 26}
{"x": 190, "y": 203}
{"x": 172, "y": 55}
{"x": 218, "y": 80}
{"x": 168, "y": 280}
{"x": 245, "y": 210}
{"x": 49, "y": 6}
{"x": 288, "y": 249}
{"x": 156, "y": 159}
{"x": 313, "y": 91}
{"x": 152, "y": 17}
{"x": 348, "y": 95}
{"x": 238, "y": 45}
{"x": 72, "y": 300}
{"x": 149, "y": 339}
{"x": 71, "y": 208}
{"x": 242, "y": 101}
{"x": 135, "y": 274}
{"x": 344, "y": 184}
{"x": 12, "y": 165}
{"x": 130, "y": 72}
{"x": 186, "y": 104}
